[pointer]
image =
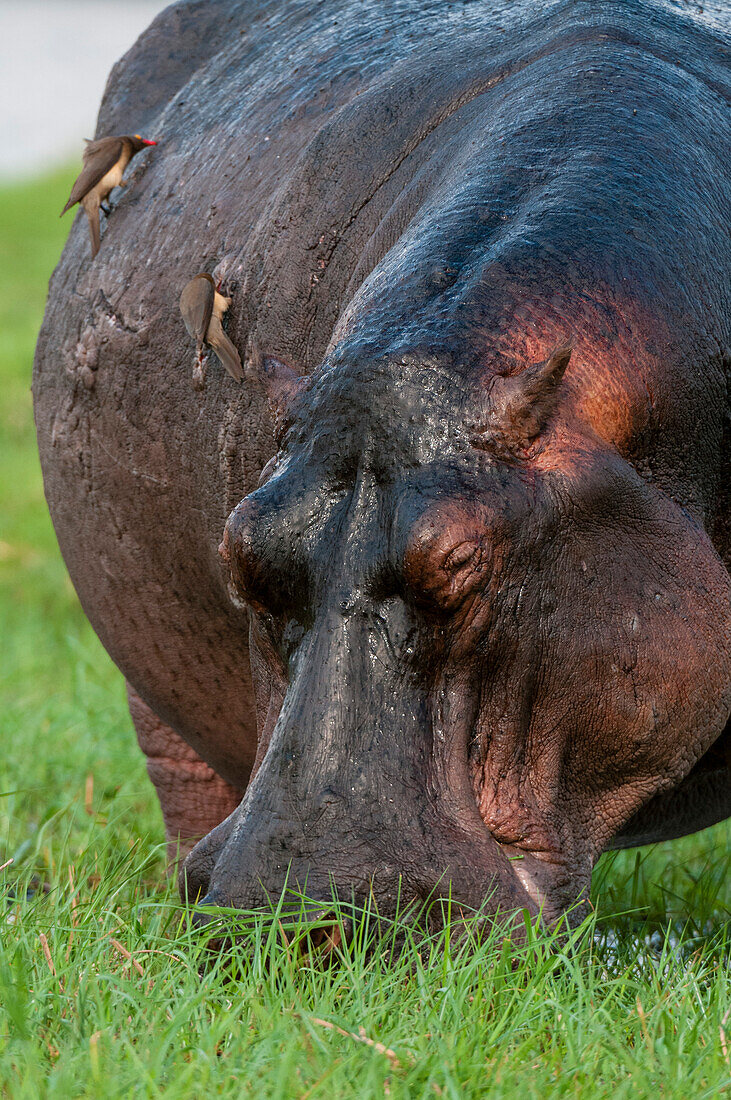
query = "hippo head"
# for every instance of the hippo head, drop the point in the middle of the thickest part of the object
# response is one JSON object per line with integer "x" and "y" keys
{"x": 460, "y": 603}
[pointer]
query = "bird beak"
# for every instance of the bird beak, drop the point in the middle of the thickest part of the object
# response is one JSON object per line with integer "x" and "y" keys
{"x": 219, "y": 284}
{"x": 146, "y": 141}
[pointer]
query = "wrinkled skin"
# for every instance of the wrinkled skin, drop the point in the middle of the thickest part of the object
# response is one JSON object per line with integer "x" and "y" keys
{"x": 470, "y": 622}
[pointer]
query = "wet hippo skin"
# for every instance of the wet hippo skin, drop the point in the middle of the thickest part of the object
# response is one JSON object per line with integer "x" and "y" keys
{"x": 470, "y": 620}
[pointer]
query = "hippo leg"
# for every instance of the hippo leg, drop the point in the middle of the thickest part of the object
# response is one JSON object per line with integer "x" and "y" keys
{"x": 193, "y": 797}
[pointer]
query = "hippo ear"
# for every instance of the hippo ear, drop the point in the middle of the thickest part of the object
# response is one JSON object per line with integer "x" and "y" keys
{"x": 520, "y": 404}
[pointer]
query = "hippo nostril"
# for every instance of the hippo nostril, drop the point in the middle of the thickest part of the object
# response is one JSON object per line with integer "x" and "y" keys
{"x": 194, "y": 876}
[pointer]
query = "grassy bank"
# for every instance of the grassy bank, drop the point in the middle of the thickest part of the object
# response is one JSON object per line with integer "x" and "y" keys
{"x": 100, "y": 990}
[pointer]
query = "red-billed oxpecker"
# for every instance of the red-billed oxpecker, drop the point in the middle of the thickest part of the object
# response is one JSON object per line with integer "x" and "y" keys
{"x": 104, "y": 163}
{"x": 202, "y": 307}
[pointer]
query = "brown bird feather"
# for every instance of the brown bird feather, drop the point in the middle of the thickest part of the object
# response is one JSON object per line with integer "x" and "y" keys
{"x": 104, "y": 163}
{"x": 196, "y": 306}
{"x": 224, "y": 349}
{"x": 99, "y": 157}
{"x": 202, "y": 308}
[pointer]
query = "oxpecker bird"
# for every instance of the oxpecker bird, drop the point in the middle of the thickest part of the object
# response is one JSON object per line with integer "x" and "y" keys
{"x": 104, "y": 163}
{"x": 202, "y": 308}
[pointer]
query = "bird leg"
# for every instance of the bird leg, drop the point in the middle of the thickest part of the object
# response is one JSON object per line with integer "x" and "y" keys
{"x": 108, "y": 208}
{"x": 105, "y": 208}
{"x": 199, "y": 371}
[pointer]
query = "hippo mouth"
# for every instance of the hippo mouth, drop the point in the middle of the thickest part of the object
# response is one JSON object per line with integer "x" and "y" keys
{"x": 361, "y": 798}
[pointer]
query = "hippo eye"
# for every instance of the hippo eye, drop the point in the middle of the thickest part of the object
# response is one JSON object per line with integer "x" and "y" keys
{"x": 460, "y": 558}
{"x": 442, "y": 576}
{"x": 465, "y": 566}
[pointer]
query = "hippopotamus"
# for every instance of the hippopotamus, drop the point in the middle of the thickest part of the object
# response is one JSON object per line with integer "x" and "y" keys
{"x": 436, "y": 602}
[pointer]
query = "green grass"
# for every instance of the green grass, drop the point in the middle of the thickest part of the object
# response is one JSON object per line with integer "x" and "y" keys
{"x": 641, "y": 1008}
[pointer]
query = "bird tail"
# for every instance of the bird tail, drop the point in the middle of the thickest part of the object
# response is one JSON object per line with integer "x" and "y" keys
{"x": 224, "y": 349}
{"x": 91, "y": 205}
{"x": 68, "y": 206}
